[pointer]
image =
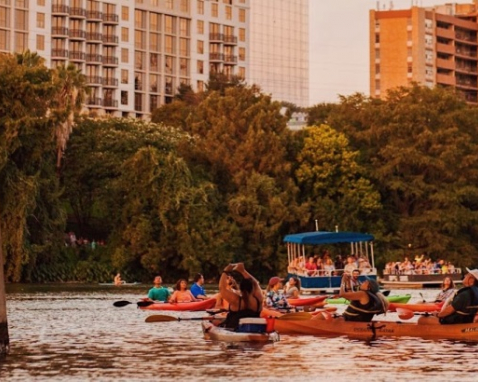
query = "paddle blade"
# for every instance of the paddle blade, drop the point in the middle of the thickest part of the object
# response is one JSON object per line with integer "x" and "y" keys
{"x": 120, "y": 304}
{"x": 143, "y": 304}
{"x": 295, "y": 316}
{"x": 385, "y": 292}
{"x": 405, "y": 314}
{"x": 160, "y": 318}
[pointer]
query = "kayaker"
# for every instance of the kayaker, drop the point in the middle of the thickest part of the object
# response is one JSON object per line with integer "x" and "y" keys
{"x": 464, "y": 306}
{"x": 365, "y": 303}
{"x": 158, "y": 292}
{"x": 247, "y": 303}
{"x": 352, "y": 284}
{"x": 181, "y": 293}
{"x": 274, "y": 298}
{"x": 221, "y": 303}
{"x": 117, "y": 280}
{"x": 197, "y": 288}
{"x": 447, "y": 290}
{"x": 292, "y": 288}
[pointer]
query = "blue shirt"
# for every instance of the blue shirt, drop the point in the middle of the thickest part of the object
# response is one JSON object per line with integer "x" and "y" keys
{"x": 196, "y": 290}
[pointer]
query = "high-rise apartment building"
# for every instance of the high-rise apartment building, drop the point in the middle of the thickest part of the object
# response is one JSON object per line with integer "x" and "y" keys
{"x": 279, "y": 49}
{"x": 431, "y": 46}
{"x": 136, "y": 53}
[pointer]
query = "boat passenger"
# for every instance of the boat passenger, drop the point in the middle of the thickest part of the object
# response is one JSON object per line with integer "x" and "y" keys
{"x": 464, "y": 306}
{"x": 181, "y": 293}
{"x": 248, "y": 303}
{"x": 117, "y": 280}
{"x": 292, "y": 289}
{"x": 365, "y": 303}
{"x": 197, "y": 288}
{"x": 352, "y": 283}
{"x": 351, "y": 265}
{"x": 447, "y": 290}
{"x": 158, "y": 292}
{"x": 311, "y": 266}
{"x": 274, "y": 298}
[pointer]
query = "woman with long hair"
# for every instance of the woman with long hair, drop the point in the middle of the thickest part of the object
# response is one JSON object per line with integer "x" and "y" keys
{"x": 181, "y": 292}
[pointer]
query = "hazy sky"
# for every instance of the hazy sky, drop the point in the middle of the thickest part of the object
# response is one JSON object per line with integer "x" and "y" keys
{"x": 339, "y": 48}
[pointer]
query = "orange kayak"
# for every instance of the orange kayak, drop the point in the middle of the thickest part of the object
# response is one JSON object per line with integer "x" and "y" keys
{"x": 419, "y": 307}
{"x": 182, "y": 306}
{"x": 307, "y": 301}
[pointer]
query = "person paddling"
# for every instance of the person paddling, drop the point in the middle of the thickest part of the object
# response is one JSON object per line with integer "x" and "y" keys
{"x": 464, "y": 306}
{"x": 246, "y": 303}
{"x": 365, "y": 303}
{"x": 158, "y": 292}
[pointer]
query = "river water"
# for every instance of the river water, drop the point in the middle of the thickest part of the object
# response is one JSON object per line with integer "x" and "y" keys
{"x": 73, "y": 333}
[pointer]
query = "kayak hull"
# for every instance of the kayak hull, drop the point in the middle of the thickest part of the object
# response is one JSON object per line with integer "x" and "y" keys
{"x": 420, "y": 307}
{"x": 372, "y": 330}
{"x": 394, "y": 298}
{"x": 182, "y": 306}
{"x": 215, "y": 333}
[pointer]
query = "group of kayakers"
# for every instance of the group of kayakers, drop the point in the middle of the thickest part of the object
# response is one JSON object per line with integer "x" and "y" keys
{"x": 245, "y": 298}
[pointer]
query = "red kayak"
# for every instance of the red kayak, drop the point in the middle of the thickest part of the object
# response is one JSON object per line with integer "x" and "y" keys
{"x": 419, "y": 307}
{"x": 182, "y": 306}
{"x": 307, "y": 301}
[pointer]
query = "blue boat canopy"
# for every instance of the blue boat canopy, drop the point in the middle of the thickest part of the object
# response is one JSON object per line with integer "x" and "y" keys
{"x": 323, "y": 237}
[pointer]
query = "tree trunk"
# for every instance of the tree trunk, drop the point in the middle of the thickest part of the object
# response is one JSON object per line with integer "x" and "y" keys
{"x": 4, "y": 339}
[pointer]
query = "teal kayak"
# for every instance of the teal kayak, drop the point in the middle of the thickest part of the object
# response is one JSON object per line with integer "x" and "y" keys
{"x": 401, "y": 298}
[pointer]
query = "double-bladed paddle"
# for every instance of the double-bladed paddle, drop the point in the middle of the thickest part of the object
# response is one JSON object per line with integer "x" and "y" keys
{"x": 406, "y": 314}
{"x": 165, "y": 318}
{"x": 141, "y": 304}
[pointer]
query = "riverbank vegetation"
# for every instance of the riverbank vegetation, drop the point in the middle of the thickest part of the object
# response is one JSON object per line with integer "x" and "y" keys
{"x": 217, "y": 177}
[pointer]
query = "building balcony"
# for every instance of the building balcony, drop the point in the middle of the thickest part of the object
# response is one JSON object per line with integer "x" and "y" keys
{"x": 230, "y": 59}
{"x": 466, "y": 37}
{"x": 94, "y": 15}
{"x": 445, "y": 48}
{"x": 216, "y": 56}
{"x": 94, "y": 80}
{"x": 94, "y": 36}
{"x": 216, "y": 37}
{"x": 77, "y": 34}
{"x": 59, "y": 53}
{"x": 445, "y": 33}
{"x": 110, "y": 60}
{"x": 110, "y": 82}
{"x": 110, "y": 18}
{"x": 110, "y": 39}
{"x": 467, "y": 69}
{"x": 94, "y": 101}
{"x": 466, "y": 53}
{"x": 230, "y": 40}
{"x": 94, "y": 58}
{"x": 78, "y": 13}
{"x": 110, "y": 103}
{"x": 76, "y": 55}
{"x": 59, "y": 31}
{"x": 445, "y": 79}
{"x": 60, "y": 9}
{"x": 445, "y": 64}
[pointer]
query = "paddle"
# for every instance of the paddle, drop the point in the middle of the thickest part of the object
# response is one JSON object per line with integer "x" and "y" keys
{"x": 295, "y": 316}
{"x": 120, "y": 304}
{"x": 423, "y": 298}
{"x": 406, "y": 314}
{"x": 164, "y": 318}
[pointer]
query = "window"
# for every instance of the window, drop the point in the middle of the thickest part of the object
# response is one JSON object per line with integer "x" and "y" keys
{"x": 21, "y": 3}
{"x": 242, "y": 15}
{"x": 241, "y": 72}
{"x": 168, "y": 65}
{"x": 169, "y": 4}
{"x": 154, "y": 42}
{"x": 20, "y": 42}
{"x": 377, "y": 38}
{"x": 124, "y": 76}
{"x": 41, "y": 2}
{"x": 169, "y": 25}
{"x": 200, "y": 27}
{"x": 184, "y": 6}
{"x": 124, "y": 34}
{"x": 139, "y": 60}
{"x": 4, "y": 40}
{"x": 200, "y": 47}
{"x": 242, "y": 34}
{"x": 409, "y": 68}
{"x": 377, "y": 54}
{"x": 184, "y": 47}
{"x": 377, "y": 85}
{"x": 40, "y": 42}
{"x": 154, "y": 62}
{"x": 168, "y": 85}
{"x": 153, "y": 83}
{"x": 200, "y": 67}
{"x": 124, "y": 13}
{"x": 124, "y": 55}
{"x": 200, "y": 7}
{"x": 124, "y": 97}
{"x": 184, "y": 27}
{"x": 228, "y": 13}
{"x": 200, "y": 86}
{"x": 140, "y": 19}
{"x": 140, "y": 39}
{"x": 4, "y": 20}
{"x": 242, "y": 54}
{"x": 377, "y": 68}
{"x": 214, "y": 10}
{"x": 154, "y": 22}
{"x": 183, "y": 67}
{"x": 169, "y": 44}
{"x": 40, "y": 20}
{"x": 20, "y": 19}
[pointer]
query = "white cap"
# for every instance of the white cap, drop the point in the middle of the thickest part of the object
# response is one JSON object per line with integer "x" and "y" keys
{"x": 474, "y": 272}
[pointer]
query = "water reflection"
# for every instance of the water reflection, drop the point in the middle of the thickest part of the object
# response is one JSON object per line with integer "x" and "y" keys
{"x": 75, "y": 334}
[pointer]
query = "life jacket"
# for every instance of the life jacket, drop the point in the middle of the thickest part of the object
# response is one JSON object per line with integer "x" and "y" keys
{"x": 468, "y": 313}
{"x": 364, "y": 312}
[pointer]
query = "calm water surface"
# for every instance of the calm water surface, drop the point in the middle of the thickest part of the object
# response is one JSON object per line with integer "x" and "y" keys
{"x": 73, "y": 333}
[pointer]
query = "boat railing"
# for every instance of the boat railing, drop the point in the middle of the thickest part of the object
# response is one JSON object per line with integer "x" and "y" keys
{"x": 414, "y": 272}
{"x": 329, "y": 273}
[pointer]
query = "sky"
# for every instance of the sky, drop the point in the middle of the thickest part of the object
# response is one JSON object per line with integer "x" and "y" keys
{"x": 339, "y": 47}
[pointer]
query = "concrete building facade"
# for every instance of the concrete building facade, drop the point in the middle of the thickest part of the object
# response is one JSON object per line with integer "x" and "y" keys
{"x": 136, "y": 53}
{"x": 431, "y": 46}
